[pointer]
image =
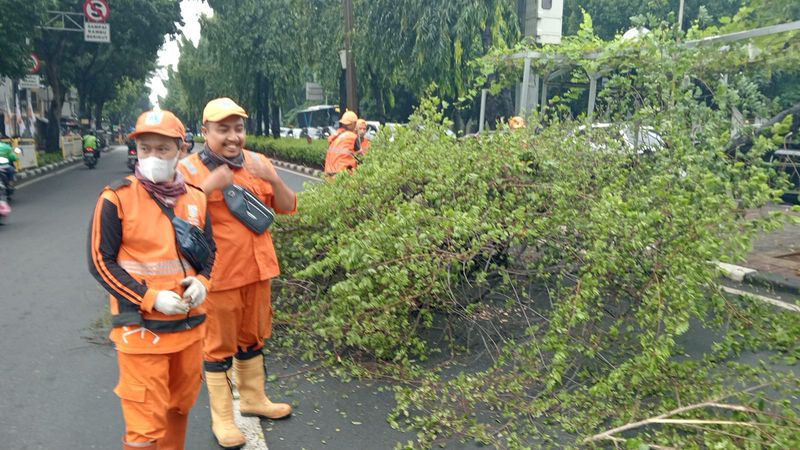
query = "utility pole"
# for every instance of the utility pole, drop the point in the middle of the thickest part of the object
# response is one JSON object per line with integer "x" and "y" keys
{"x": 352, "y": 100}
{"x": 680, "y": 16}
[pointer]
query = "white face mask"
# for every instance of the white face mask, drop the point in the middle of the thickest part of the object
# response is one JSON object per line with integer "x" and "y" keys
{"x": 158, "y": 170}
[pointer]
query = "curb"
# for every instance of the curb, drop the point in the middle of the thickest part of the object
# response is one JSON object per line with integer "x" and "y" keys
{"x": 30, "y": 174}
{"x": 297, "y": 168}
{"x": 765, "y": 279}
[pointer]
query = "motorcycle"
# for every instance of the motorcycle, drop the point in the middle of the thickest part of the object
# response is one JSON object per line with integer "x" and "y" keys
{"x": 89, "y": 157}
{"x": 7, "y": 175}
{"x": 5, "y": 208}
{"x": 132, "y": 158}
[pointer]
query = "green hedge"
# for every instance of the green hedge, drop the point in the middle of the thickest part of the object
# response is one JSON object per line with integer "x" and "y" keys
{"x": 297, "y": 151}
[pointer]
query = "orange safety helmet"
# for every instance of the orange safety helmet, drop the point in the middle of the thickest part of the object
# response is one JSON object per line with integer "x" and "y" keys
{"x": 516, "y": 123}
{"x": 160, "y": 122}
{"x": 348, "y": 118}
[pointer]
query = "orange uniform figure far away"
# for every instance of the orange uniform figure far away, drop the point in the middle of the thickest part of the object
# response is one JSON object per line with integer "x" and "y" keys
{"x": 239, "y": 303}
{"x": 343, "y": 146}
{"x": 157, "y": 289}
{"x": 363, "y": 142}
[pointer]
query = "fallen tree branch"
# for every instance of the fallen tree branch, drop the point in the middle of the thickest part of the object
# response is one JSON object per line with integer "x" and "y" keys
{"x": 665, "y": 417}
{"x": 745, "y": 139}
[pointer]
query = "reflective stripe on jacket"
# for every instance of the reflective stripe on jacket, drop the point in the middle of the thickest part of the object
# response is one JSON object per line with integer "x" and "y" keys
{"x": 133, "y": 254}
{"x": 341, "y": 153}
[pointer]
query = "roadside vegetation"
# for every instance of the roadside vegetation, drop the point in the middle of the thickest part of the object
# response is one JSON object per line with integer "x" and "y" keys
{"x": 547, "y": 287}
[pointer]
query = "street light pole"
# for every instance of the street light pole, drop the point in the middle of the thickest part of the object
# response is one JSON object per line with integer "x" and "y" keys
{"x": 352, "y": 100}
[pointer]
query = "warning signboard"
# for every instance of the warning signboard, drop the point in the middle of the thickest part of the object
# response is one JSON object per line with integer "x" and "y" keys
{"x": 97, "y": 32}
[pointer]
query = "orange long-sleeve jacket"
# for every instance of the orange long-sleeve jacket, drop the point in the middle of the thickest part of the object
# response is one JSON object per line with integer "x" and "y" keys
{"x": 243, "y": 257}
{"x": 341, "y": 153}
{"x": 134, "y": 255}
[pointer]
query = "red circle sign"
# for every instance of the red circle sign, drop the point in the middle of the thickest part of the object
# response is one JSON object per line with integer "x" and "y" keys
{"x": 96, "y": 10}
{"x": 36, "y": 65}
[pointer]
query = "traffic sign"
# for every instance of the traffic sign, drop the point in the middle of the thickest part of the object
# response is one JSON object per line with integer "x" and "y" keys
{"x": 30, "y": 82}
{"x": 97, "y": 32}
{"x": 314, "y": 92}
{"x": 96, "y": 10}
{"x": 36, "y": 65}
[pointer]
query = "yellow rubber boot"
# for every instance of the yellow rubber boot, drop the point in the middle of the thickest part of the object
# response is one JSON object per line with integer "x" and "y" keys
{"x": 252, "y": 399}
{"x": 220, "y": 399}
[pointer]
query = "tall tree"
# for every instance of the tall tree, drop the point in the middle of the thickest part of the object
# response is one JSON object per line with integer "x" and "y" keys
{"x": 18, "y": 22}
{"x": 137, "y": 32}
{"x": 267, "y": 65}
{"x": 130, "y": 99}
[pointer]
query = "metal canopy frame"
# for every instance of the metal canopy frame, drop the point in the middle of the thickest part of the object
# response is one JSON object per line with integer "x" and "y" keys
{"x": 65, "y": 19}
{"x": 538, "y": 84}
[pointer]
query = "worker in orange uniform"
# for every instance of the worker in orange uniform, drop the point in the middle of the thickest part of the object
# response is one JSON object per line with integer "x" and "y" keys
{"x": 157, "y": 287}
{"x": 342, "y": 149}
{"x": 239, "y": 304}
{"x": 362, "y": 143}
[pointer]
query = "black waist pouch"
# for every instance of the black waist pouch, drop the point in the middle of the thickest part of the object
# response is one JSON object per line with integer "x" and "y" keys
{"x": 248, "y": 209}
{"x": 192, "y": 243}
{"x": 190, "y": 240}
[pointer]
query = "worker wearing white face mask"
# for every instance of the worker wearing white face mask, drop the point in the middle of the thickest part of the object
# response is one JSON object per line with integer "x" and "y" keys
{"x": 157, "y": 288}
{"x": 158, "y": 170}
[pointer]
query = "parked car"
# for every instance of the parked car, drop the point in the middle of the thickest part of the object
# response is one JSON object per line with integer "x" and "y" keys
{"x": 646, "y": 140}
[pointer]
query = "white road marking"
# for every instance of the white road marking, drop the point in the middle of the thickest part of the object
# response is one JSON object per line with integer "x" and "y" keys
{"x": 251, "y": 428}
{"x": 770, "y": 300}
{"x": 49, "y": 175}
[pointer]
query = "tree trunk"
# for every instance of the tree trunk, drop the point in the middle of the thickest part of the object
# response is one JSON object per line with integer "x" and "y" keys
{"x": 491, "y": 101}
{"x": 83, "y": 107}
{"x": 342, "y": 93}
{"x": 274, "y": 113}
{"x": 259, "y": 109}
{"x": 458, "y": 121}
{"x": 98, "y": 113}
{"x": 53, "y": 135}
{"x": 377, "y": 94}
{"x": 264, "y": 104}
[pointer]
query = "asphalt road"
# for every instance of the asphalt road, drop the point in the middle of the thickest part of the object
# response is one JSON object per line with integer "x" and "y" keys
{"x": 58, "y": 368}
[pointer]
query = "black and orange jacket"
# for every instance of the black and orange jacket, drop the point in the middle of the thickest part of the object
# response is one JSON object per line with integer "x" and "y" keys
{"x": 133, "y": 254}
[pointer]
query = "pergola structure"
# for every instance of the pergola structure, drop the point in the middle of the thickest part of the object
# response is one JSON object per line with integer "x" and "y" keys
{"x": 534, "y": 83}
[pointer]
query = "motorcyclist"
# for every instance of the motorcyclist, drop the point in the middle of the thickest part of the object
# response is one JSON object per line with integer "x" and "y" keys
{"x": 90, "y": 140}
{"x": 6, "y": 151}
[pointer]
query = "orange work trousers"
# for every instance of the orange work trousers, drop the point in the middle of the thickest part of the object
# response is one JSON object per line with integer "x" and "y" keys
{"x": 157, "y": 391}
{"x": 237, "y": 320}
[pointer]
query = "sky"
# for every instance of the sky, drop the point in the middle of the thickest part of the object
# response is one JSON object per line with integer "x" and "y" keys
{"x": 191, "y": 10}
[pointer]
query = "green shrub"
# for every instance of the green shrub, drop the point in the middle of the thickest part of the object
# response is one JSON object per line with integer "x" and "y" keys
{"x": 44, "y": 158}
{"x": 576, "y": 263}
{"x": 298, "y": 151}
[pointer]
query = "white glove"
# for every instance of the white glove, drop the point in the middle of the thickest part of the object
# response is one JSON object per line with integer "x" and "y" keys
{"x": 170, "y": 303}
{"x": 195, "y": 291}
